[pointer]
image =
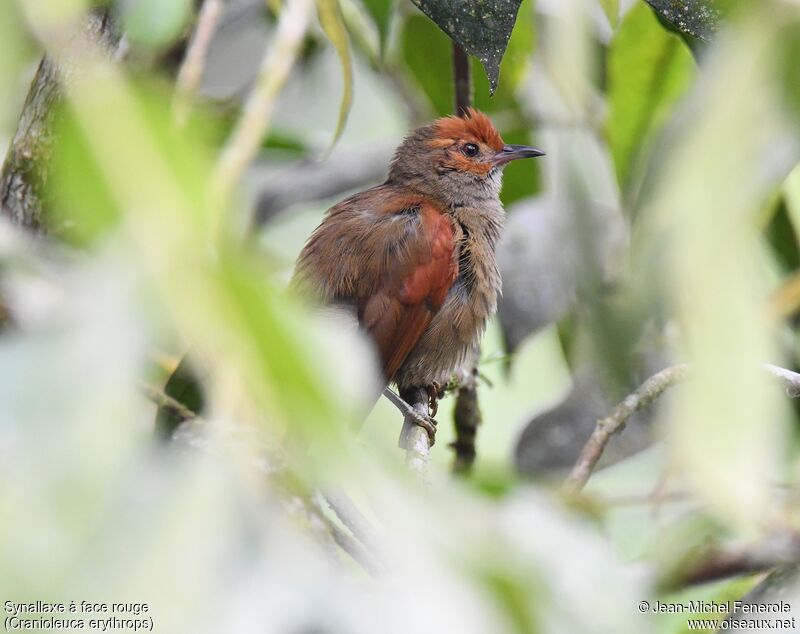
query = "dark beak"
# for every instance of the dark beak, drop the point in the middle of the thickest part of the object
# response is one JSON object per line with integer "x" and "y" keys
{"x": 512, "y": 152}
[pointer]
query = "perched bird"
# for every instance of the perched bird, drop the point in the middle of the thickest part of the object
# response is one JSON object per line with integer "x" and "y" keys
{"x": 414, "y": 257}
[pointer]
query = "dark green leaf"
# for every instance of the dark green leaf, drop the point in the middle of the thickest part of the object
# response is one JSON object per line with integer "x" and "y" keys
{"x": 696, "y": 18}
{"x": 481, "y": 27}
{"x": 381, "y": 12}
{"x": 185, "y": 387}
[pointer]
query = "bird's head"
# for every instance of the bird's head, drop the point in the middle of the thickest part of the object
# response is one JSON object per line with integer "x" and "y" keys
{"x": 456, "y": 158}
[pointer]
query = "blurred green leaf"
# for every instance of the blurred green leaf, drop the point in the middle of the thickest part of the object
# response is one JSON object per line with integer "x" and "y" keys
{"x": 788, "y": 66}
{"x": 717, "y": 166}
{"x": 381, "y": 12}
{"x": 84, "y": 207}
{"x": 791, "y": 193}
{"x": 611, "y": 9}
{"x": 15, "y": 47}
{"x": 782, "y": 237}
{"x": 154, "y": 23}
{"x": 330, "y": 17}
{"x": 648, "y": 71}
{"x": 481, "y": 27}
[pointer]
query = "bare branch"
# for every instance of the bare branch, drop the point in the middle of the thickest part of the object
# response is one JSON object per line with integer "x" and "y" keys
{"x": 307, "y": 181}
{"x": 648, "y": 392}
{"x": 466, "y": 416}
{"x": 349, "y": 514}
{"x": 720, "y": 563}
{"x": 324, "y": 527}
{"x": 606, "y": 427}
{"x": 355, "y": 549}
{"x": 191, "y": 71}
{"x": 414, "y": 437}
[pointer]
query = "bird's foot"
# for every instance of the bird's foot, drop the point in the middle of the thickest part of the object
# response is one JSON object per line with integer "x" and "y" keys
{"x": 415, "y": 418}
{"x": 435, "y": 392}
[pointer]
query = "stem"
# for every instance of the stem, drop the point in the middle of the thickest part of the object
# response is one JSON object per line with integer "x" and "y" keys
{"x": 191, "y": 71}
{"x": 648, "y": 392}
{"x": 462, "y": 79}
{"x": 606, "y": 427}
{"x": 466, "y": 417}
{"x": 249, "y": 132}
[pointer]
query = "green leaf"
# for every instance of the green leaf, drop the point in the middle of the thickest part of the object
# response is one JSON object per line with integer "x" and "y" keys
{"x": 788, "y": 67}
{"x": 330, "y": 17}
{"x": 648, "y": 69}
{"x": 697, "y": 18}
{"x": 381, "y": 12}
{"x": 426, "y": 52}
{"x": 514, "y": 67}
{"x": 154, "y": 23}
{"x": 791, "y": 197}
{"x": 481, "y": 27}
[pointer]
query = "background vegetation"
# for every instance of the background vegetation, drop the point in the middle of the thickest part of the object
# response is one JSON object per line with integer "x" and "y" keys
{"x": 165, "y": 162}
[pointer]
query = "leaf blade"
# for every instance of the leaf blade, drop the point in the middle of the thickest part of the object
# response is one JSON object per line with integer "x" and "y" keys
{"x": 482, "y": 28}
{"x": 330, "y": 18}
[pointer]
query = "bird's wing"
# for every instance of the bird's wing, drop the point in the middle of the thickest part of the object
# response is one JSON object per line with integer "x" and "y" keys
{"x": 391, "y": 255}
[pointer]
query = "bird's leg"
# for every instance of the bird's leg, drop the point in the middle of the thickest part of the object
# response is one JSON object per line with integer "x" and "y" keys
{"x": 412, "y": 416}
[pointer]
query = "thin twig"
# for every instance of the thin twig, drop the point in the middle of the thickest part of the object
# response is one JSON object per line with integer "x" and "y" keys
{"x": 191, "y": 71}
{"x": 174, "y": 406}
{"x": 731, "y": 561}
{"x": 606, "y": 427}
{"x": 323, "y": 524}
{"x": 679, "y": 496}
{"x": 349, "y": 514}
{"x": 311, "y": 181}
{"x": 355, "y": 549}
{"x": 249, "y": 132}
{"x": 648, "y": 392}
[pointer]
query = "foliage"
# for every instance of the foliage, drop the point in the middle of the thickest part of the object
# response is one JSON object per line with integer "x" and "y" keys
{"x": 663, "y": 225}
{"x": 481, "y": 28}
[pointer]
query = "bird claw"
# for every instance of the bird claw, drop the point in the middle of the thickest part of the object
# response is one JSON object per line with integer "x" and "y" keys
{"x": 428, "y": 423}
{"x": 435, "y": 392}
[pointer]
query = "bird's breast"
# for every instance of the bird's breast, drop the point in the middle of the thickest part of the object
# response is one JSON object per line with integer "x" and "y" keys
{"x": 469, "y": 304}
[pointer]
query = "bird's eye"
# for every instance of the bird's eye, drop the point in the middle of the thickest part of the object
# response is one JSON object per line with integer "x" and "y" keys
{"x": 470, "y": 149}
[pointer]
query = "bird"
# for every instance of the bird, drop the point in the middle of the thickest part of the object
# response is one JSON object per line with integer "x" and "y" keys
{"x": 413, "y": 259}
